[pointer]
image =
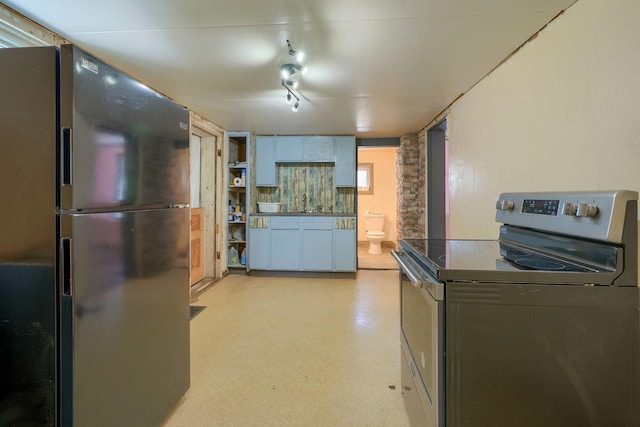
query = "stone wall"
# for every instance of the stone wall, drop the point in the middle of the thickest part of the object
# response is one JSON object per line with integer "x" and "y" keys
{"x": 410, "y": 169}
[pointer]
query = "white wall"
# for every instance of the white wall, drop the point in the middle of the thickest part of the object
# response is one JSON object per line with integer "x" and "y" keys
{"x": 562, "y": 114}
{"x": 385, "y": 193}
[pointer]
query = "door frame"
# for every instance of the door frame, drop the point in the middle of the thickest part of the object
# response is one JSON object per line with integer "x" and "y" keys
{"x": 437, "y": 181}
{"x": 211, "y": 193}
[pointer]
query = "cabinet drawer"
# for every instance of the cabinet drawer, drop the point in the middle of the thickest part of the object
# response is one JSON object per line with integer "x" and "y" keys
{"x": 317, "y": 223}
{"x": 284, "y": 223}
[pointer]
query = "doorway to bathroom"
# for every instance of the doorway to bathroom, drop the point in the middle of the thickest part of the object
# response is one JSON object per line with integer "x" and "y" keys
{"x": 437, "y": 182}
{"x": 377, "y": 204}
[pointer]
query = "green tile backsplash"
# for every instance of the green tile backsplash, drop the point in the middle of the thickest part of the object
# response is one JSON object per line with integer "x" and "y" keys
{"x": 316, "y": 181}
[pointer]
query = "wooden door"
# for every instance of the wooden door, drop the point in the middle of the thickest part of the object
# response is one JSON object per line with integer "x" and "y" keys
{"x": 196, "y": 268}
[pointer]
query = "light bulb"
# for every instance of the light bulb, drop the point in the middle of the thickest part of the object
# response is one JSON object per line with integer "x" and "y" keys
{"x": 286, "y": 70}
{"x": 304, "y": 70}
{"x": 299, "y": 56}
{"x": 295, "y": 85}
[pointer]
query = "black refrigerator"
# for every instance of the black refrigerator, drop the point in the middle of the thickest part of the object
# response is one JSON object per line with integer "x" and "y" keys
{"x": 94, "y": 289}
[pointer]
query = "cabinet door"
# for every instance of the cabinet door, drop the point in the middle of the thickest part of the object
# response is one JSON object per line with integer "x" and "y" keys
{"x": 317, "y": 253}
{"x": 345, "y": 155}
{"x": 265, "y": 161}
{"x": 285, "y": 250}
{"x": 345, "y": 250}
{"x": 318, "y": 149}
{"x": 258, "y": 249}
{"x": 289, "y": 148}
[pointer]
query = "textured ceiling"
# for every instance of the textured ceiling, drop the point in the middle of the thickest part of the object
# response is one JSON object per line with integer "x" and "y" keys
{"x": 376, "y": 68}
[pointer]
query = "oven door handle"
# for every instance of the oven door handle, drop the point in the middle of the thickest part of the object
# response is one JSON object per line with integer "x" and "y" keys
{"x": 419, "y": 278}
{"x": 415, "y": 281}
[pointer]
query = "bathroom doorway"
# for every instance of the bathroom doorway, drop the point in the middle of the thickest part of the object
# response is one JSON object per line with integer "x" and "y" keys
{"x": 377, "y": 204}
{"x": 437, "y": 182}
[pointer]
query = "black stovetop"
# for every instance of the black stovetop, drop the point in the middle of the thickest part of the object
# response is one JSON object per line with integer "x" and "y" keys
{"x": 496, "y": 260}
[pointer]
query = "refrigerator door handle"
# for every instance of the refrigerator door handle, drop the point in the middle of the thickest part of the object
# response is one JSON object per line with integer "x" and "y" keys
{"x": 66, "y": 267}
{"x": 66, "y": 157}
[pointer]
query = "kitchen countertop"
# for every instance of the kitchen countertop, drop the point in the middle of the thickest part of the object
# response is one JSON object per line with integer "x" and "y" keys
{"x": 303, "y": 214}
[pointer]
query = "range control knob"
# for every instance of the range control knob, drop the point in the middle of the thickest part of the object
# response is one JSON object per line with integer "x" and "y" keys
{"x": 504, "y": 205}
{"x": 587, "y": 209}
{"x": 569, "y": 209}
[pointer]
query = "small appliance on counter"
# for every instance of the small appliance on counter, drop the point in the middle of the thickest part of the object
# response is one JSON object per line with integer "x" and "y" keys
{"x": 536, "y": 328}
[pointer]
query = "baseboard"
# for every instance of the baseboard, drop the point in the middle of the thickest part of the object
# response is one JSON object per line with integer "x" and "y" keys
{"x": 303, "y": 274}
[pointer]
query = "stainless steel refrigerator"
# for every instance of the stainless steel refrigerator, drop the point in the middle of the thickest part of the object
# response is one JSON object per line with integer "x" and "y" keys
{"x": 94, "y": 292}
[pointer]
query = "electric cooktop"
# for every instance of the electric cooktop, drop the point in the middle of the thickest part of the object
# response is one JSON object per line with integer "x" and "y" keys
{"x": 494, "y": 260}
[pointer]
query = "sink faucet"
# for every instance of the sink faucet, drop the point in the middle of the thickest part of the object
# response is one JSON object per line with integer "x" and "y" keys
{"x": 304, "y": 202}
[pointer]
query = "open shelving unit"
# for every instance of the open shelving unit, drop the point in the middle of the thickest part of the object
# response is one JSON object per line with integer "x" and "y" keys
{"x": 238, "y": 197}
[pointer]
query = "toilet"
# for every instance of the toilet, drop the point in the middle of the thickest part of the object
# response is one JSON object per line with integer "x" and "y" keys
{"x": 374, "y": 223}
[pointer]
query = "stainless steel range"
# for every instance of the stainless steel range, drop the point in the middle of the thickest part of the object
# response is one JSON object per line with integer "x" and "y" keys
{"x": 537, "y": 328}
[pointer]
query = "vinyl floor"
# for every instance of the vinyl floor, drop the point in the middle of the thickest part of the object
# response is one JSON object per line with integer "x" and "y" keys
{"x": 383, "y": 261}
{"x": 296, "y": 352}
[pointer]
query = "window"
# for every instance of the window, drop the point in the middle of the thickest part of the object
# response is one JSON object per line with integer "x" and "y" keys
{"x": 365, "y": 178}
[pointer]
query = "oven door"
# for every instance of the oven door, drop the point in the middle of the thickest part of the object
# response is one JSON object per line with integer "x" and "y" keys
{"x": 421, "y": 322}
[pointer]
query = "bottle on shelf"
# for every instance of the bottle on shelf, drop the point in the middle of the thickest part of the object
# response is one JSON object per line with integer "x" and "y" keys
{"x": 233, "y": 256}
{"x": 231, "y": 211}
{"x": 243, "y": 257}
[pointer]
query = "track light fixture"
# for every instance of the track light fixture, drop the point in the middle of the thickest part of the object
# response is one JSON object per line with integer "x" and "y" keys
{"x": 290, "y": 96}
{"x": 293, "y": 84}
{"x": 297, "y": 55}
{"x": 287, "y": 72}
